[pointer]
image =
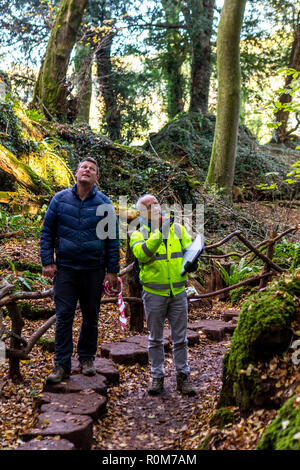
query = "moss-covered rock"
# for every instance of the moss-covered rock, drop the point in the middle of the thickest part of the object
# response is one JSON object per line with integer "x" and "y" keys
{"x": 188, "y": 139}
{"x": 131, "y": 170}
{"x": 284, "y": 431}
{"x": 263, "y": 330}
{"x": 237, "y": 294}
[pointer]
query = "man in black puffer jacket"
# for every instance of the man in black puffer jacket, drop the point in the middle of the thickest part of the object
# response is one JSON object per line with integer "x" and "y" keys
{"x": 78, "y": 253}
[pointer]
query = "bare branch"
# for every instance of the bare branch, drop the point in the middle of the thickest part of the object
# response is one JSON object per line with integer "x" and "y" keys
{"x": 37, "y": 335}
{"x": 25, "y": 295}
{"x": 235, "y": 286}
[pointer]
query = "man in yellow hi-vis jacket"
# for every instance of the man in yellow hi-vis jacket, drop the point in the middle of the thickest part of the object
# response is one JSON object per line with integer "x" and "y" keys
{"x": 159, "y": 245}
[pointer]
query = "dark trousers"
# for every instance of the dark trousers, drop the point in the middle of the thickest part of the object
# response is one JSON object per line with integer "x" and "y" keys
{"x": 71, "y": 285}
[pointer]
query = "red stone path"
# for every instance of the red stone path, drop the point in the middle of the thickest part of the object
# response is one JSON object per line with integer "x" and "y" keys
{"x": 69, "y": 409}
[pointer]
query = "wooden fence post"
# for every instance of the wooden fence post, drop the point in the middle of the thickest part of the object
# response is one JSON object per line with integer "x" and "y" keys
{"x": 136, "y": 308}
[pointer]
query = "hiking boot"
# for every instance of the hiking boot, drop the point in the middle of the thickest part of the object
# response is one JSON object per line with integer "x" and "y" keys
{"x": 57, "y": 375}
{"x": 156, "y": 387}
{"x": 184, "y": 384}
{"x": 87, "y": 366}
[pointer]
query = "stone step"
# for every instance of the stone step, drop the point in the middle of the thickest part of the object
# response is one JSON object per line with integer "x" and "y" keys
{"x": 192, "y": 336}
{"x": 134, "y": 349}
{"x": 84, "y": 403}
{"x": 103, "y": 366}
{"x": 231, "y": 314}
{"x": 127, "y": 353}
{"x": 214, "y": 329}
{"x": 75, "y": 428}
{"x": 78, "y": 383}
{"x": 142, "y": 341}
{"x": 47, "y": 444}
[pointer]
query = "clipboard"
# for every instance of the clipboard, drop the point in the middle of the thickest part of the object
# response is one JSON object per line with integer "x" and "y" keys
{"x": 192, "y": 252}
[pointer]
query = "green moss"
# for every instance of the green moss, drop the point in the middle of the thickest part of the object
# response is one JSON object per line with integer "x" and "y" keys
{"x": 237, "y": 294}
{"x": 263, "y": 330}
{"x": 190, "y": 137}
{"x": 206, "y": 442}
{"x": 23, "y": 266}
{"x": 11, "y": 130}
{"x": 296, "y": 258}
{"x": 47, "y": 343}
{"x": 127, "y": 148}
{"x": 35, "y": 312}
{"x": 222, "y": 417}
{"x": 284, "y": 431}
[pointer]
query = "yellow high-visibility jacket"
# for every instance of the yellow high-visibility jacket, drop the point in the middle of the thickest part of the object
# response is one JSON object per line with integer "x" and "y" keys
{"x": 160, "y": 263}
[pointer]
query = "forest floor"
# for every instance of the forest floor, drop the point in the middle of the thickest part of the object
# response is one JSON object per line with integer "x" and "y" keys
{"x": 134, "y": 420}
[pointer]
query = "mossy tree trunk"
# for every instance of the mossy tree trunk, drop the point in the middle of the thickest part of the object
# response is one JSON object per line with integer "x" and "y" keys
{"x": 22, "y": 173}
{"x": 199, "y": 17}
{"x": 281, "y": 133}
{"x": 107, "y": 81}
{"x": 50, "y": 93}
{"x": 174, "y": 58}
{"x": 222, "y": 161}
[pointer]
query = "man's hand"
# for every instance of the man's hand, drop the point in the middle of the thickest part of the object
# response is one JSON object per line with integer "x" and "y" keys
{"x": 191, "y": 267}
{"x": 49, "y": 270}
{"x": 165, "y": 226}
{"x": 114, "y": 281}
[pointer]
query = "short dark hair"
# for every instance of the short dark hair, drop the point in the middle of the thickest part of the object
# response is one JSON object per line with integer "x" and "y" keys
{"x": 89, "y": 159}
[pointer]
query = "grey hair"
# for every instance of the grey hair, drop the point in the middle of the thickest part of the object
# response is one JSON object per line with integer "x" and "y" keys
{"x": 140, "y": 199}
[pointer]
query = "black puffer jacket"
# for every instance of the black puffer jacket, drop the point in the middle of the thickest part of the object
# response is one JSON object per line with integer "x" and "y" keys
{"x": 69, "y": 230}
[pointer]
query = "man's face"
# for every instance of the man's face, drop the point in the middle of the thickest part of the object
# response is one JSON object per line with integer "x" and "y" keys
{"x": 87, "y": 173}
{"x": 151, "y": 209}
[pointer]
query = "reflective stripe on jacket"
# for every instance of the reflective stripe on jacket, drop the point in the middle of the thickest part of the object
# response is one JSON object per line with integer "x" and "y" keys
{"x": 160, "y": 262}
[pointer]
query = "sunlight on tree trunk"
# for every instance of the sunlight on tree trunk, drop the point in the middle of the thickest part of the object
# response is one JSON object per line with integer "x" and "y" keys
{"x": 222, "y": 161}
{"x": 107, "y": 86}
{"x": 281, "y": 133}
{"x": 174, "y": 59}
{"x": 199, "y": 17}
{"x": 22, "y": 173}
{"x": 50, "y": 93}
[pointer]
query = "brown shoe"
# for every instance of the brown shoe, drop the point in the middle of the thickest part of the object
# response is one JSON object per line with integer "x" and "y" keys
{"x": 156, "y": 387}
{"x": 87, "y": 366}
{"x": 57, "y": 375}
{"x": 184, "y": 384}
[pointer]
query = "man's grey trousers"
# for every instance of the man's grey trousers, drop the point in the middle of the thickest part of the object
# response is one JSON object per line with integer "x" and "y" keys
{"x": 175, "y": 309}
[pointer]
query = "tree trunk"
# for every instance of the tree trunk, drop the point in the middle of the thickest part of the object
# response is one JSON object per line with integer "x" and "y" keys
{"x": 83, "y": 71}
{"x": 281, "y": 134}
{"x": 17, "y": 325}
{"x": 222, "y": 161}
{"x": 50, "y": 93}
{"x": 270, "y": 253}
{"x": 107, "y": 85}
{"x": 174, "y": 59}
{"x": 24, "y": 175}
{"x": 199, "y": 19}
